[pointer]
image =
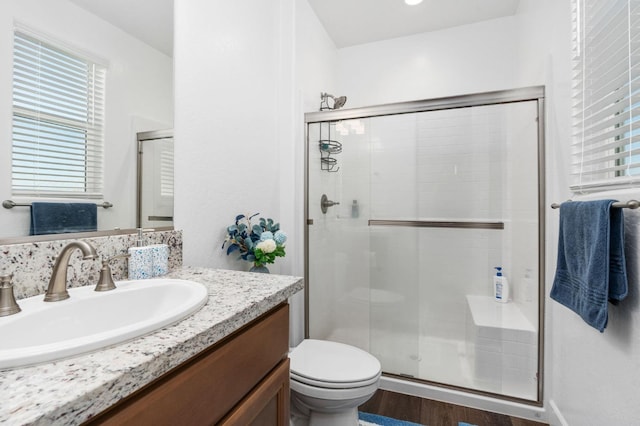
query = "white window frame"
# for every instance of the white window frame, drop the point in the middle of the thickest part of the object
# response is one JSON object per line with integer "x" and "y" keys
{"x": 58, "y": 120}
{"x": 605, "y": 151}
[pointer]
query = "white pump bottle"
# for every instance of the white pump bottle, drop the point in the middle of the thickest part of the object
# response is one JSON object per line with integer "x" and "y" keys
{"x": 501, "y": 286}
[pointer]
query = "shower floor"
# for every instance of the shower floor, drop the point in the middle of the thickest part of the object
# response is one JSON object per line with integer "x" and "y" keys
{"x": 444, "y": 361}
{"x": 427, "y": 358}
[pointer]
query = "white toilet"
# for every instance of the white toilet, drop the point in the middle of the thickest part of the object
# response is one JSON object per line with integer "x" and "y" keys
{"x": 329, "y": 381}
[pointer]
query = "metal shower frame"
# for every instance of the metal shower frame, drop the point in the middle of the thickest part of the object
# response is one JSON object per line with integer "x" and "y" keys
{"x": 533, "y": 93}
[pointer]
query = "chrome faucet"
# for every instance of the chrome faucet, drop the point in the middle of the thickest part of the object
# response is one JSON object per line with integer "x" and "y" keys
{"x": 57, "y": 289}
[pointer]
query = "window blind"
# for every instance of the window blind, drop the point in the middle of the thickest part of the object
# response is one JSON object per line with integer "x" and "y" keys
{"x": 58, "y": 118}
{"x": 166, "y": 171}
{"x": 606, "y": 94}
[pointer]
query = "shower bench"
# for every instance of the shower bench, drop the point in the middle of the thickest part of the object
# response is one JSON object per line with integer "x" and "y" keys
{"x": 501, "y": 347}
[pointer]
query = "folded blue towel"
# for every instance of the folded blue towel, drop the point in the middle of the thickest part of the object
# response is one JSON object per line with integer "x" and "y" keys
{"x": 591, "y": 267}
{"x": 60, "y": 218}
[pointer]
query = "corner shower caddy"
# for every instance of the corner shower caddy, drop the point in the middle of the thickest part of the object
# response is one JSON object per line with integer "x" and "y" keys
{"x": 328, "y": 148}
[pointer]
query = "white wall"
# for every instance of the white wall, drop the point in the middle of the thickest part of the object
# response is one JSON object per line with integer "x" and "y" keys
{"x": 239, "y": 117}
{"x": 316, "y": 58}
{"x": 590, "y": 376}
{"x": 239, "y": 113}
{"x": 234, "y": 102}
{"x": 461, "y": 60}
{"x": 139, "y": 98}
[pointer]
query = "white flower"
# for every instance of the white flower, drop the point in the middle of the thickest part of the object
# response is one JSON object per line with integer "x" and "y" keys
{"x": 267, "y": 246}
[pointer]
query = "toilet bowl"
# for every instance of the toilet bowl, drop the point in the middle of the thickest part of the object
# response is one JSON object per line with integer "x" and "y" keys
{"x": 329, "y": 381}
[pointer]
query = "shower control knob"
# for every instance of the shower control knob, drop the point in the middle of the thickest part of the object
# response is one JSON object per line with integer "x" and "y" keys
{"x": 325, "y": 203}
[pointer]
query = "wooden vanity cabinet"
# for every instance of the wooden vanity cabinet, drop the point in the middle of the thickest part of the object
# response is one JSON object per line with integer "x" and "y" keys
{"x": 242, "y": 380}
{"x": 267, "y": 404}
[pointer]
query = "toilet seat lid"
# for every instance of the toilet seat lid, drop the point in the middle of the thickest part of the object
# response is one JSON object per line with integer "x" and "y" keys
{"x": 324, "y": 362}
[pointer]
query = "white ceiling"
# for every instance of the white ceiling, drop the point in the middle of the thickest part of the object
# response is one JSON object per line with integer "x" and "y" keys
{"x": 348, "y": 22}
{"x": 352, "y": 22}
{"x": 148, "y": 20}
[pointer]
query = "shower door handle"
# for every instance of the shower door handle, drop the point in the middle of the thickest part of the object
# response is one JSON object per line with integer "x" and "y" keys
{"x": 325, "y": 203}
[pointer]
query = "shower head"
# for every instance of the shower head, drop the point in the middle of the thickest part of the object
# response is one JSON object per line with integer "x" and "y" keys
{"x": 338, "y": 102}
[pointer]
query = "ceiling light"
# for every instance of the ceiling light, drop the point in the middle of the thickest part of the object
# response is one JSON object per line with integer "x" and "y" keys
{"x": 412, "y": 2}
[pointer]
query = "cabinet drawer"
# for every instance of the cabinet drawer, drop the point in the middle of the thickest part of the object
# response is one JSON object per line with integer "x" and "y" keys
{"x": 204, "y": 389}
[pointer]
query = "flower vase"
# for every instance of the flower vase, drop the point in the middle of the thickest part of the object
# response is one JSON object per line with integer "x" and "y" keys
{"x": 260, "y": 269}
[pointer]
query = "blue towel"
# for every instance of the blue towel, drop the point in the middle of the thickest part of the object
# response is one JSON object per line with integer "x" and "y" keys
{"x": 591, "y": 266}
{"x": 60, "y": 218}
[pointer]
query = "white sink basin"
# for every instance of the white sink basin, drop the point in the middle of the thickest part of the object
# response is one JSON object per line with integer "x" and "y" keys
{"x": 90, "y": 320}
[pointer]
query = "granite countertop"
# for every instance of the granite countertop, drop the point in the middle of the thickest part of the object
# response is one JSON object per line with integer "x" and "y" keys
{"x": 70, "y": 391}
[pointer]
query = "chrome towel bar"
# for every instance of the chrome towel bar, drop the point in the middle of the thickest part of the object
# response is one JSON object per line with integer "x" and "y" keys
{"x": 8, "y": 204}
{"x": 631, "y": 204}
{"x": 437, "y": 224}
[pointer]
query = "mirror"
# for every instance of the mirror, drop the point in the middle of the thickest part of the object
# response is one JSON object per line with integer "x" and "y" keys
{"x": 139, "y": 92}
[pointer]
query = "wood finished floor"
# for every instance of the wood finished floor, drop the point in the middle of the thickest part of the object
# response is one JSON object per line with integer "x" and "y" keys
{"x": 435, "y": 413}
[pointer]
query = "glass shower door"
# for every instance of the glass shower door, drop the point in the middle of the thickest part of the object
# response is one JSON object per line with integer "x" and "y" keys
{"x": 395, "y": 274}
{"x": 155, "y": 179}
{"x": 346, "y": 305}
{"x": 420, "y": 207}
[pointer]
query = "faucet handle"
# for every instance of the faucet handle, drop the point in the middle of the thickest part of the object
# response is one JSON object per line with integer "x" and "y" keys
{"x": 5, "y": 281}
{"x": 105, "y": 282}
{"x": 8, "y": 305}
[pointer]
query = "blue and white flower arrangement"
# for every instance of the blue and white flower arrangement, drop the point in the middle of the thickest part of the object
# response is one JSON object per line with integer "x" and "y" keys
{"x": 260, "y": 243}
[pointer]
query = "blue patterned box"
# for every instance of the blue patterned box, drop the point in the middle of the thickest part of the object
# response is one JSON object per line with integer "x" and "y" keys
{"x": 160, "y": 255}
{"x": 140, "y": 263}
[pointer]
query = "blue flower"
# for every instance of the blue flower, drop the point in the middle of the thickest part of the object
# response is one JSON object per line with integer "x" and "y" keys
{"x": 280, "y": 237}
{"x": 255, "y": 243}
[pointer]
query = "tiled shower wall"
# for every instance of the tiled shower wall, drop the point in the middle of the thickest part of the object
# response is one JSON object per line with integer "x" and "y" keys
{"x": 31, "y": 264}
